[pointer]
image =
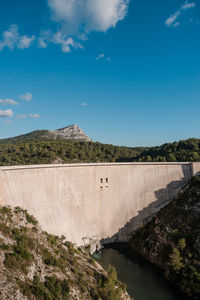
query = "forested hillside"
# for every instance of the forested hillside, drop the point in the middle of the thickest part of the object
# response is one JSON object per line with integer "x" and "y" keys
{"x": 36, "y": 151}
{"x": 171, "y": 240}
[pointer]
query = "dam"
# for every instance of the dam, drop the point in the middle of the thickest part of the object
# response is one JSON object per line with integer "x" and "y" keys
{"x": 93, "y": 202}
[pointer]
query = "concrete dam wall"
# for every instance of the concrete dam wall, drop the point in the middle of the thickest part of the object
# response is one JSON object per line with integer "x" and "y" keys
{"x": 89, "y": 202}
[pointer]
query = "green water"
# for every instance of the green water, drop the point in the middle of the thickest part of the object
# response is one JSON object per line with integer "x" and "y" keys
{"x": 144, "y": 282}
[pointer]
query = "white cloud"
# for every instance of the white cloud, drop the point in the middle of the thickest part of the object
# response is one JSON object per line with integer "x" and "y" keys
{"x": 77, "y": 18}
{"x": 82, "y": 37}
{"x": 26, "y": 97}
{"x": 187, "y": 5}
{"x": 65, "y": 42}
{"x": 21, "y": 117}
{"x": 35, "y": 116}
{"x": 12, "y": 39}
{"x": 172, "y": 20}
{"x": 6, "y": 113}
{"x": 42, "y": 43}
{"x": 100, "y": 56}
{"x": 44, "y": 39}
{"x": 25, "y": 41}
{"x": 9, "y": 102}
{"x": 59, "y": 38}
{"x": 84, "y": 104}
{"x": 99, "y": 15}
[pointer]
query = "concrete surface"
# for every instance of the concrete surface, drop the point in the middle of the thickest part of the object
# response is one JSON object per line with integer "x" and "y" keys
{"x": 92, "y": 202}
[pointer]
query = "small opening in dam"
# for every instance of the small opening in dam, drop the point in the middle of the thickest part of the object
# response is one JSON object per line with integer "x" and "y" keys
{"x": 101, "y": 180}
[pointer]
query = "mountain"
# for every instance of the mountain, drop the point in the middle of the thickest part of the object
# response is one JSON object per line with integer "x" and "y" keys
{"x": 171, "y": 240}
{"x": 72, "y": 132}
{"x": 35, "y": 265}
{"x": 71, "y": 145}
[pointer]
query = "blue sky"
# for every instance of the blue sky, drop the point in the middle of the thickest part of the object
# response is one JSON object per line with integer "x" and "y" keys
{"x": 127, "y": 72}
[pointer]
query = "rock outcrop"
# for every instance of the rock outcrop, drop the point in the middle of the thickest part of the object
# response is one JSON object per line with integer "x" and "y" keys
{"x": 72, "y": 132}
{"x": 37, "y": 266}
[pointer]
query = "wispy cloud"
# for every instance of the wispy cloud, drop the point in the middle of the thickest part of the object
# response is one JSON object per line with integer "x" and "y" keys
{"x": 26, "y": 97}
{"x": 187, "y": 5}
{"x": 84, "y": 104}
{"x": 65, "y": 41}
{"x": 6, "y": 113}
{"x": 8, "y": 102}
{"x": 21, "y": 116}
{"x": 12, "y": 39}
{"x": 172, "y": 20}
{"x": 34, "y": 116}
{"x": 7, "y": 122}
{"x": 102, "y": 56}
{"x": 25, "y": 41}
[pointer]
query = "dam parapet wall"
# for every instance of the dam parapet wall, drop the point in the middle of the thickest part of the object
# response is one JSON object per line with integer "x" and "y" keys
{"x": 105, "y": 201}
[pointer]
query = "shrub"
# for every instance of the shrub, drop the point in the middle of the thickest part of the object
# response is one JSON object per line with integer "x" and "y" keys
{"x": 4, "y": 247}
{"x": 58, "y": 288}
{"x": 182, "y": 243}
{"x": 110, "y": 286}
{"x": 5, "y": 210}
{"x": 23, "y": 252}
{"x": 30, "y": 219}
{"x": 12, "y": 261}
{"x": 176, "y": 260}
{"x": 52, "y": 239}
{"x": 5, "y": 230}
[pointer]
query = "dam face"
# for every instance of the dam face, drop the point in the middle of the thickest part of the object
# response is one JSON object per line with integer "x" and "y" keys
{"x": 93, "y": 201}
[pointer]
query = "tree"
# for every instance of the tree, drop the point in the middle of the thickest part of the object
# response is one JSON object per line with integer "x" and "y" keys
{"x": 148, "y": 158}
{"x": 171, "y": 157}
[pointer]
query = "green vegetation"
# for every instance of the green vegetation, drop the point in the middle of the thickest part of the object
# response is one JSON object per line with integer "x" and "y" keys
{"x": 67, "y": 151}
{"x": 110, "y": 289}
{"x": 52, "y": 288}
{"x": 182, "y": 244}
{"x": 176, "y": 260}
{"x": 171, "y": 240}
{"x": 18, "y": 151}
{"x": 45, "y": 267}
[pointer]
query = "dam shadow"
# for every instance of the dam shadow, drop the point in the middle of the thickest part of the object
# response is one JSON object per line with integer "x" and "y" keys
{"x": 162, "y": 197}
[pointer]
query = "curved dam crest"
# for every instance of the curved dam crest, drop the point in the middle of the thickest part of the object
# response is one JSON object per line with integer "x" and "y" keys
{"x": 93, "y": 202}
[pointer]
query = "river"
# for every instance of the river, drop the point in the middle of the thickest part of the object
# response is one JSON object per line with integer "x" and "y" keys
{"x": 144, "y": 281}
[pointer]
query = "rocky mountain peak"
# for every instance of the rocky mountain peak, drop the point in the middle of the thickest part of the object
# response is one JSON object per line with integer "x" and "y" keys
{"x": 72, "y": 132}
